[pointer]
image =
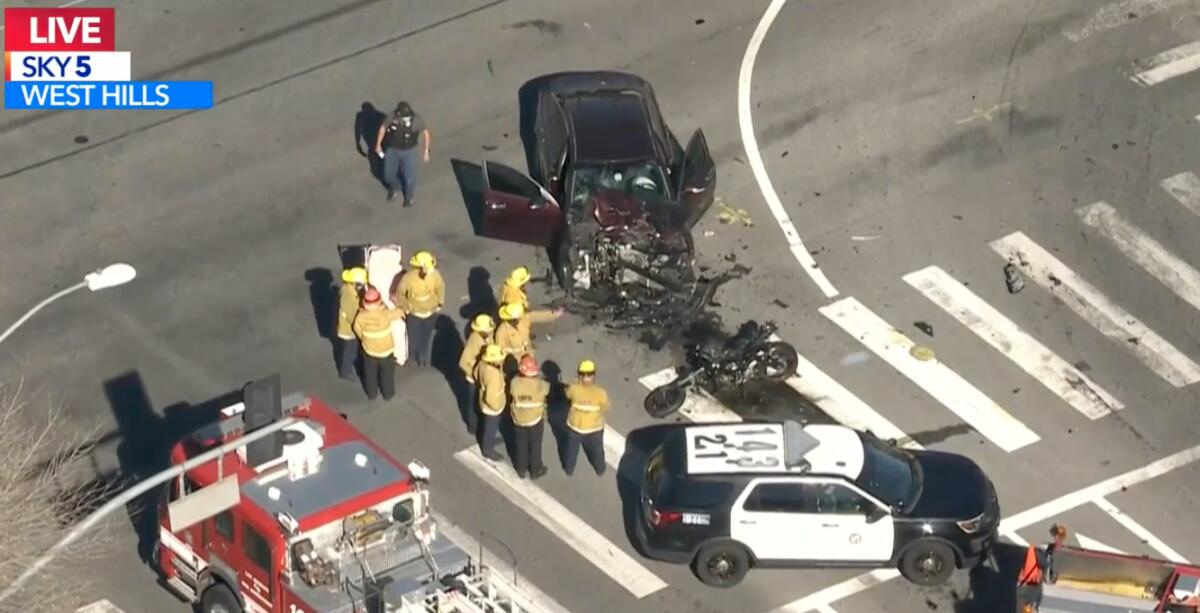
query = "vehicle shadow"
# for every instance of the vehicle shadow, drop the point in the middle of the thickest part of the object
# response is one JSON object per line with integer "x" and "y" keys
{"x": 366, "y": 126}
{"x": 447, "y": 348}
{"x": 638, "y": 446}
{"x": 322, "y": 294}
{"x": 480, "y": 296}
{"x": 470, "y": 183}
{"x": 994, "y": 589}
{"x": 145, "y": 441}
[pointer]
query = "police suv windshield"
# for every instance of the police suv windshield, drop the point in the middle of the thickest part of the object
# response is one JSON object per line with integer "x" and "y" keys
{"x": 889, "y": 473}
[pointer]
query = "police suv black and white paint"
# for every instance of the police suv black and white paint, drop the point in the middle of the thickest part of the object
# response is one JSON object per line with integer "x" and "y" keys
{"x": 727, "y": 497}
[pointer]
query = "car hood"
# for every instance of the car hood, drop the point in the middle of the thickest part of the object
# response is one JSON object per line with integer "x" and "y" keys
{"x": 954, "y": 487}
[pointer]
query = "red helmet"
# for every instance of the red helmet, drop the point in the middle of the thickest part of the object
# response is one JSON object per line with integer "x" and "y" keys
{"x": 528, "y": 366}
{"x": 371, "y": 296}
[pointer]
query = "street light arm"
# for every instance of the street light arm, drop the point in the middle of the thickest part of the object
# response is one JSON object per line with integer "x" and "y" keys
{"x": 40, "y": 306}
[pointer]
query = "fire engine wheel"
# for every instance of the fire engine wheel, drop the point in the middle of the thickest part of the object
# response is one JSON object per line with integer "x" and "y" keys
{"x": 219, "y": 599}
{"x": 927, "y": 563}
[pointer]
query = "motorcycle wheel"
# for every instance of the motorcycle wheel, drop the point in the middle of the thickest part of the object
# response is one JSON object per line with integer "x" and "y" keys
{"x": 665, "y": 400}
{"x": 779, "y": 361}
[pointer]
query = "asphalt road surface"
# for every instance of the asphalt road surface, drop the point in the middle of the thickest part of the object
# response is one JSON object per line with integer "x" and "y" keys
{"x": 915, "y": 146}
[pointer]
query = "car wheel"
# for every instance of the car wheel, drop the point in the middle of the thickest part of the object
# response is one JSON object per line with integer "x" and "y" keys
{"x": 721, "y": 564}
{"x": 927, "y": 563}
{"x": 218, "y": 598}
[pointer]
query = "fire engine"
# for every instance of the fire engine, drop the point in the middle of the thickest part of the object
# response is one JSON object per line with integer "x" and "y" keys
{"x": 315, "y": 517}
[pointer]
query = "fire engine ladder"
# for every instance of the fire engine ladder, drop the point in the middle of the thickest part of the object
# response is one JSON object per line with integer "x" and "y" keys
{"x": 479, "y": 591}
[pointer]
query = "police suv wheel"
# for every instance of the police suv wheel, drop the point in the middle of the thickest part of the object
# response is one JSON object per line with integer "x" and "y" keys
{"x": 721, "y": 564}
{"x": 927, "y": 563}
{"x": 219, "y": 599}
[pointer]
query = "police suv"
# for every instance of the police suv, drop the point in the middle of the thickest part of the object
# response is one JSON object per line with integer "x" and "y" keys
{"x": 726, "y": 497}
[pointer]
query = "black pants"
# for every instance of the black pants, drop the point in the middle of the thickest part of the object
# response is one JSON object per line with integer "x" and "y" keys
{"x": 347, "y": 353}
{"x": 528, "y": 452}
{"x": 491, "y": 431}
{"x": 379, "y": 374}
{"x": 420, "y": 338}
{"x": 593, "y": 446}
{"x": 469, "y": 404}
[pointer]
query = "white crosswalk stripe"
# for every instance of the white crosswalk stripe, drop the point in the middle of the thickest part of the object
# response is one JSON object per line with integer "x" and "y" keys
{"x": 1117, "y": 14}
{"x": 1184, "y": 187}
{"x": 698, "y": 407}
{"x": 1052, "y": 371}
{"x": 1151, "y": 255}
{"x": 938, "y": 380}
{"x": 1094, "y": 307}
{"x": 100, "y": 606}
{"x": 544, "y": 509}
{"x": 1168, "y": 64}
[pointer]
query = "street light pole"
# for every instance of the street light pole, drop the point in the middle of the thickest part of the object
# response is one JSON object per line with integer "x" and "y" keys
{"x": 109, "y": 276}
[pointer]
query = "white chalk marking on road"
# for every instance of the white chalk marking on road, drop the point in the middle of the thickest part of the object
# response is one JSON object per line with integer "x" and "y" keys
{"x": 498, "y": 565}
{"x": 698, "y": 407}
{"x": 1052, "y": 371}
{"x": 1184, "y": 187}
{"x": 1139, "y": 530}
{"x": 1024, "y": 519}
{"x": 1168, "y": 64}
{"x": 1115, "y": 15}
{"x": 100, "y": 606}
{"x": 1138, "y": 246}
{"x": 754, "y": 157}
{"x": 843, "y": 405}
{"x": 938, "y": 380}
{"x": 1087, "y": 542}
{"x": 556, "y": 518}
{"x": 1094, "y": 307}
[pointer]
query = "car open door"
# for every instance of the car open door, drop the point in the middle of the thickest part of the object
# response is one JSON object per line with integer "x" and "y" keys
{"x": 516, "y": 208}
{"x": 552, "y": 138}
{"x": 697, "y": 179}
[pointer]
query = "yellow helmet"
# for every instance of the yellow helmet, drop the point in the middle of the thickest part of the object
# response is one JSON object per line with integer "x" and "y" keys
{"x": 483, "y": 323}
{"x": 512, "y": 311}
{"x": 587, "y": 367}
{"x": 518, "y": 277}
{"x": 423, "y": 259}
{"x": 493, "y": 354}
{"x": 358, "y": 274}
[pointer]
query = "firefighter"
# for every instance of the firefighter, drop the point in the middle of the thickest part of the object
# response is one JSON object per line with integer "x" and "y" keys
{"x": 585, "y": 419}
{"x": 528, "y": 393}
{"x": 513, "y": 288}
{"x": 482, "y": 328}
{"x": 373, "y": 327}
{"x": 353, "y": 280}
{"x": 515, "y": 332}
{"x": 421, "y": 294}
{"x": 492, "y": 397}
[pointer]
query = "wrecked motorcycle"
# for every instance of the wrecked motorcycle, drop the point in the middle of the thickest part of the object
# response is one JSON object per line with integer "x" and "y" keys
{"x": 749, "y": 355}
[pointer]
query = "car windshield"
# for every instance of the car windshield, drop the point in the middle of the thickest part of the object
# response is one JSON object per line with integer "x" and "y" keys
{"x": 889, "y": 473}
{"x": 639, "y": 178}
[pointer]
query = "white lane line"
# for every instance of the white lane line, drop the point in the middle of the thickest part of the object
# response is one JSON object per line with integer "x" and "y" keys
{"x": 529, "y": 592}
{"x": 100, "y": 606}
{"x": 1014, "y": 537}
{"x": 1140, "y": 531}
{"x": 543, "y": 508}
{"x": 61, "y": 6}
{"x": 754, "y": 157}
{"x": 825, "y": 609}
{"x": 843, "y": 405}
{"x": 699, "y": 407}
{"x": 1087, "y": 542}
{"x": 1138, "y": 246}
{"x": 1168, "y": 64}
{"x": 1009, "y": 526}
{"x": 1184, "y": 187}
{"x": 945, "y": 385}
{"x": 614, "y": 447}
{"x": 1111, "y": 320}
{"x": 1115, "y": 15}
{"x": 1058, "y": 375}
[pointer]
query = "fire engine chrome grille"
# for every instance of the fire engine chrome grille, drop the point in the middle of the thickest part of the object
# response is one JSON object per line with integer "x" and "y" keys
{"x": 378, "y": 559}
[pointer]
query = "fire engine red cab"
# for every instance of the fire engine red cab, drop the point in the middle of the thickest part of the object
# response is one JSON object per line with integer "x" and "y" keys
{"x": 315, "y": 518}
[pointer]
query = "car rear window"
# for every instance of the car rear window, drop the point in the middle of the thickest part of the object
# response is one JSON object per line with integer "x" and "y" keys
{"x": 668, "y": 488}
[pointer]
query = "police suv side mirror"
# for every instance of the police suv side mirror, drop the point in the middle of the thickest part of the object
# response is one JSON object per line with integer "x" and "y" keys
{"x": 876, "y": 514}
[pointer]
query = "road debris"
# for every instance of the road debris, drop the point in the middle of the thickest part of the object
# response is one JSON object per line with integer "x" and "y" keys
{"x": 709, "y": 234}
{"x": 728, "y": 214}
{"x": 924, "y": 327}
{"x": 921, "y": 353}
{"x": 1013, "y": 278}
{"x": 862, "y": 239}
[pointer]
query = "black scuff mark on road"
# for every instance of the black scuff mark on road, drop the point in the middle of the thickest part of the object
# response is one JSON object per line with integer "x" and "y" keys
{"x": 938, "y": 435}
{"x": 788, "y": 126}
{"x": 553, "y": 28}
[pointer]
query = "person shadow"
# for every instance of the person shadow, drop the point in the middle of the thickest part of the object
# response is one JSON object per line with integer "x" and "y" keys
{"x": 366, "y": 127}
{"x": 447, "y": 348}
{"x": 557, "y": 408}
{"x": 480, "y": 297}
{"x": 322, "y": 294}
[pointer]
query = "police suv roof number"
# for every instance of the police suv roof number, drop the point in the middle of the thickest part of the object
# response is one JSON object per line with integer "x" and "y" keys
{"x": 729, "y": 448}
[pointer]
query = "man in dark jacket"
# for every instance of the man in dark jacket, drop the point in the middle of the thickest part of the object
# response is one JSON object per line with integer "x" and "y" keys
{"x": 396, "y": 143}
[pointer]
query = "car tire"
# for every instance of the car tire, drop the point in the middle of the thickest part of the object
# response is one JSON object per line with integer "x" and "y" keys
{"x": 218, "y": 598}
{"x": 927, "y": 563}
{"x": 721, "y": 564}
